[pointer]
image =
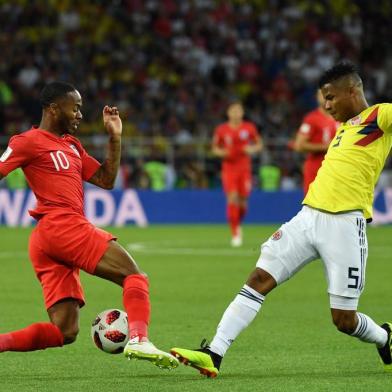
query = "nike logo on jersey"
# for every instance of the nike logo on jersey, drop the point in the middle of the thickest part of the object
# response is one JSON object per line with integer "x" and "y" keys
{"x": 75, "y": 150}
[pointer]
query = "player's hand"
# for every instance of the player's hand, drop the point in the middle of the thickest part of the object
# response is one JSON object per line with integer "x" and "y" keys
{"x": 249, "y": 150}
{"x": 220, "y": 152}
{"x": 112, "y": 120}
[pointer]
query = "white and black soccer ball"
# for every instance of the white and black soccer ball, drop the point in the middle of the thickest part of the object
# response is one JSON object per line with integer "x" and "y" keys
{"x": 109, "y": 331}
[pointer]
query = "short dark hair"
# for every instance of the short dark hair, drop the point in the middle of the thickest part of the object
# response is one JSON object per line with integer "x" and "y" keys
{"x": 54, "y": 90}
{"x": 235, "y": 102}
{"x": 338, "y": 71}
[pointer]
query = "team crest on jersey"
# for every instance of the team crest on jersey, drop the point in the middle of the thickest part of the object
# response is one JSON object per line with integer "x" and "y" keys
{"x": 244, "y": 134}
{"x": 75, "y": 150}
{"x": 6, "y": 154}
{"x": 355, "y": 121}
{"x": 277, "y": 235}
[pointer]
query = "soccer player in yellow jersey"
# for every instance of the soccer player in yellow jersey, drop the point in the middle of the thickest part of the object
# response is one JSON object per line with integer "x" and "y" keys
{"x": 331, "y": 226}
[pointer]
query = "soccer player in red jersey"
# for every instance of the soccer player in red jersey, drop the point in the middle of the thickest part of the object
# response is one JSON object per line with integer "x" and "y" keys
{"x": 317, "y": 130}
{"x": 64, "y": 241}
{"x": 235, "y": 141}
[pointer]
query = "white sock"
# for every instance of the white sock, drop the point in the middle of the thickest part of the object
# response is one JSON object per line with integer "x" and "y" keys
{"x": 368, "y": 331}
{"x": 239, "y": 314}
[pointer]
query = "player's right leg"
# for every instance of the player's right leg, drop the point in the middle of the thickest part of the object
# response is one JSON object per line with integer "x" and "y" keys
{"x": 63, "y": 295}
{"x": 230, "y": 187}
{"x": 118, "y": 266}
{"x": 233, "y": 217}
{"x": 239, "y": 314}
{"x": 287, "y": 251}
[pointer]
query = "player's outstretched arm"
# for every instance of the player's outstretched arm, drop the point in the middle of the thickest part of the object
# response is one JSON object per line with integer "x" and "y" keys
{"x": 219, "y": 151}
{"x": 302, "y": 144}
{"x": 106, "y": 174}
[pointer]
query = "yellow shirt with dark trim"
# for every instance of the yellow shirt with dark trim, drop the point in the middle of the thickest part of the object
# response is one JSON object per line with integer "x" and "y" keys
{"x": 352, "y": 165}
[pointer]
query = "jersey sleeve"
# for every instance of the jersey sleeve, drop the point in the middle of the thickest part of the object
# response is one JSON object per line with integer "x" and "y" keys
{"x": 307, "y": 127}
{"x": 218, "y": 137}
{"x": 19, "y": 153}
{"x": 254, "y": 134}
{"x": 385, "y": 118}
{"x": 89, "y": 164}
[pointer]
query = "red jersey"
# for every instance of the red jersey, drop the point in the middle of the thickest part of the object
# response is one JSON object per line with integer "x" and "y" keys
{"x": 320, "y": 128}
{"x": 55, "y": 168}
{"x": 234, "y": 140}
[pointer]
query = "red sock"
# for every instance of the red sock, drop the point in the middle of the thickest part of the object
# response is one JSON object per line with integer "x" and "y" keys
{"x": 233, "y": 216}
{"x": 242, "y": 212}
{"x": 137, "y": 305}
{"x": 36, "y": 336}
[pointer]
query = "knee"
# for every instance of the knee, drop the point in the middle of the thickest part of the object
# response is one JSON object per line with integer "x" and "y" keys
{"x": 232, "y": 198}
{"x": 70, "y": 335}
{"x": 345, "y": 321}
{"x": 142, "y": 275}
{"x": 261, "y": 281}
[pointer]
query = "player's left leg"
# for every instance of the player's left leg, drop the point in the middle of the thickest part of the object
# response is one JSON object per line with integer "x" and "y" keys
{"x": 118, "y": 266}
{"x": 343, "y": 248}
{"x": 244, "y": 189}
{"x": 243, "y": 207}
{"x": 361, "y": 326}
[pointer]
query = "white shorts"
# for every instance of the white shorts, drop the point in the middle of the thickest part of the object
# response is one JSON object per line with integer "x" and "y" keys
{"x": 338, "y": 239}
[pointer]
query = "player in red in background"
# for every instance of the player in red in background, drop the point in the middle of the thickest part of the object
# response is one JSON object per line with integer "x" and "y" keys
{"x": 317, "y": 130}
{"x": 64, "y": 241}
{"x": 235, "y": 142}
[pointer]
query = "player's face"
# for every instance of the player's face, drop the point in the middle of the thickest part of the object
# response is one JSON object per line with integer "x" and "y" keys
{"x": 338, "y": 101}
{"x": 235, "y": 112}
{"x": 69, "y": 115}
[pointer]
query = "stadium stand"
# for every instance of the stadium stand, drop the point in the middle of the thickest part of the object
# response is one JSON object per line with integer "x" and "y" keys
{"x": 172, "y": 67}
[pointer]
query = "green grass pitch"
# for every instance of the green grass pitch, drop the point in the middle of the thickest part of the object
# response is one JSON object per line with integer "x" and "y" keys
{"x": 194, "y": 274}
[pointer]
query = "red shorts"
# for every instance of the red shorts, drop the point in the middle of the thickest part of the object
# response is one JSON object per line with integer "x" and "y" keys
{"x": 237, "y": 181}
{"x": 60, "y": 245}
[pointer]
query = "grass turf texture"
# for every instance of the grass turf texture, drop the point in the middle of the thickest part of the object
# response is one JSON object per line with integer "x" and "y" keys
{"x": 194, "y": 274}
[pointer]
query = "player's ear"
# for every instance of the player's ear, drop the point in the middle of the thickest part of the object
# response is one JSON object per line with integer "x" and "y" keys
{"x": 53, "y": 108}
{"x": 353, "y": 91}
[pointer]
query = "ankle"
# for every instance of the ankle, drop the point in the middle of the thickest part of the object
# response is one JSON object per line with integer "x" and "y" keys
{"x": 216, "y": 358}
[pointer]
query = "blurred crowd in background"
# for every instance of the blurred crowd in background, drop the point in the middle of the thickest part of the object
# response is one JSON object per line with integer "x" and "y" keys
{"x": 172, "y": 67}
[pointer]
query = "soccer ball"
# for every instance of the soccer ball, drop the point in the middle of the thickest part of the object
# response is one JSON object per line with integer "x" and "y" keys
{"x": 109, "y": 331}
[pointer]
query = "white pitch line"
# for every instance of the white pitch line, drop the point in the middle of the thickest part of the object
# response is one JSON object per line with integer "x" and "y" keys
{"x": 159, "y": 249}
{"x": 167, "y": 248}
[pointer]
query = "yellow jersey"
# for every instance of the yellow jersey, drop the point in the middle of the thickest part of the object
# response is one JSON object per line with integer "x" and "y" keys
{"x": 352, "y": 165}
